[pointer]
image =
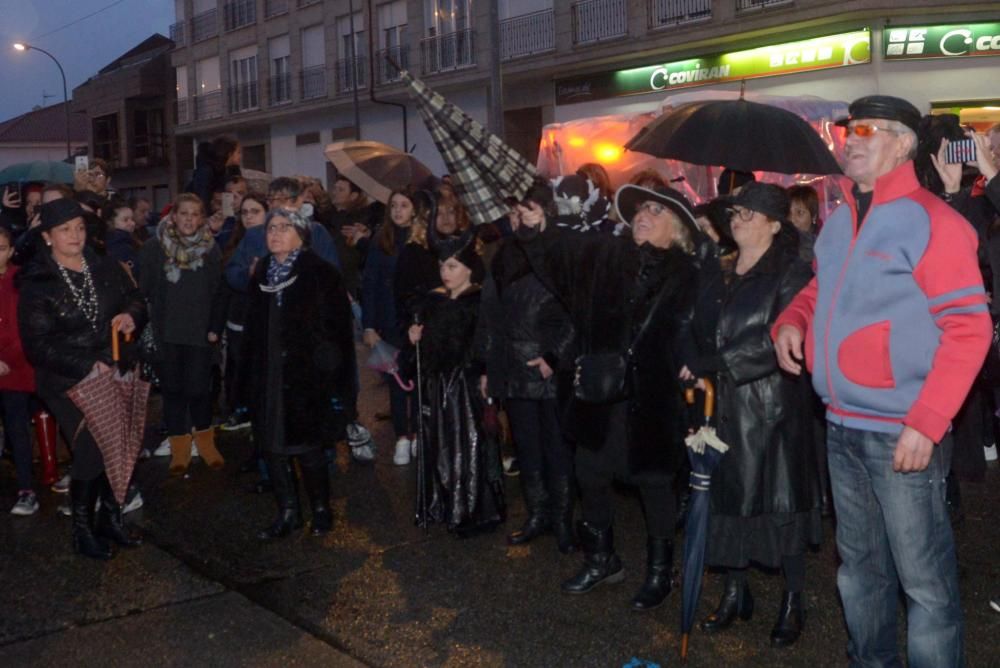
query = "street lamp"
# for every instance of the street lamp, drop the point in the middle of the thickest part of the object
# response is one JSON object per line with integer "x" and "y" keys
{"x": 20, "y": 46}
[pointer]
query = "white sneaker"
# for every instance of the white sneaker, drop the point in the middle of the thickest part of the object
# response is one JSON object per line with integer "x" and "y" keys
{"x": 402, "y": 455}
{"x": 133, "y": 504}
{"x": 27, "y": 504}
{"x": 62, "y": 485}
{"x": 163, "y": 450}
{"x": 991, "y": 452}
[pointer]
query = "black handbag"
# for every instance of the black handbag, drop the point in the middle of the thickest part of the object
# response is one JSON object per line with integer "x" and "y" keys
{"x": 602, "y": 378}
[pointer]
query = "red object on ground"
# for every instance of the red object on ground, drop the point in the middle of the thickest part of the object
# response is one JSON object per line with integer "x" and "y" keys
{"x": 45, "y": 433}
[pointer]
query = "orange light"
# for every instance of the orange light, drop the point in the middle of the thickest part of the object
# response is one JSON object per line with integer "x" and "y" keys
{"x": 577, "y": 142}
{"x": 607, "y": 152}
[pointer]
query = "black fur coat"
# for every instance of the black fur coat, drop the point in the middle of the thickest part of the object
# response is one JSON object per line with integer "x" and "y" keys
{"x": 315, "y": 341}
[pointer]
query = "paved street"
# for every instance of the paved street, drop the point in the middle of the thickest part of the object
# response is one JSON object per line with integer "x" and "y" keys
{"x": 379, "y": 592}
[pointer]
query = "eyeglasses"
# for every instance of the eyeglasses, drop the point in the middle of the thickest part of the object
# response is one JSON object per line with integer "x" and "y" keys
{"x": 746, "y": 215}
{"x": 653, "y": 208}
{"x": 278, "y": 199}
{"x": 865, "y": 130}
{"x": 275, "y": 228}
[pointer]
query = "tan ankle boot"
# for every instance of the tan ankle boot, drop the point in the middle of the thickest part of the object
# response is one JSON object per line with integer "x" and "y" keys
{"x": 205, "y": 440}
{"x": 180, "y": 454}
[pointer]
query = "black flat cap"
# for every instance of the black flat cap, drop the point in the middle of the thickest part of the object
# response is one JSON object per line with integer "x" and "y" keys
{"x": 883, "y": 106}
{"x": 57, "y": 212}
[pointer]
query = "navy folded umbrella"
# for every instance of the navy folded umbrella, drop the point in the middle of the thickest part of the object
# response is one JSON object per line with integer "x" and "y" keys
{"x": 705, "y": 451}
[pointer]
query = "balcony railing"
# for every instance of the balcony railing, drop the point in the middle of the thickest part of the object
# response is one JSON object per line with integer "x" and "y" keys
{"x": 239, "y": 13}
{"x": 527, "y": 34}
{"x": 313, "y": 82}
{"x": 598, "y": 20}
{"x": 183, "y": 111}
{"x": 673, "y": 12}
{"x": 205, "y": 25}
{"x": 352, "y": 73}
{"x": 208, "y": 105}
{"x": 275, "y": 7}
{"x": 387, "y": 72}
{"x": 177, "y": 33}
{"x": 244, "y": 97}
{"x": 306, "y": 3}
{"x": 750, "y": 5}
{"x": 448, "y": 52}
{"x": 279, "y": 89}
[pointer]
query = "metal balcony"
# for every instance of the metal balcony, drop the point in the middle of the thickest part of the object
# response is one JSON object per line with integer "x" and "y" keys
{"x": 452, "y": 51}
{"x": 244, "y": 97}
{"x": 205, "y": 25}
{"x": 751, "y": 5}
{"x": 352, "y": 73}
{"x": 177, "y": 33}
{"x": 675, "y": 12}
{"x": 275, "y": 7}
{"x": 279, "y": 89}
{"x": 239, "y": 13}
{"x": 527, "y": 35}
{"x": 313, "y": 82}
{"x": 386, "y": 72}
{"x": 599, "y": 20}
{"x": 208, "y": 105}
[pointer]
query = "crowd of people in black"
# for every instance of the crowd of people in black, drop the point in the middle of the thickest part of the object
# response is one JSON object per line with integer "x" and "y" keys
{"x": 583, "y": 316}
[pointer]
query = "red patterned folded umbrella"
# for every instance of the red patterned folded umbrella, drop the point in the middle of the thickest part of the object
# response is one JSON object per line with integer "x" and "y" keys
{"x": 114, "y": 410}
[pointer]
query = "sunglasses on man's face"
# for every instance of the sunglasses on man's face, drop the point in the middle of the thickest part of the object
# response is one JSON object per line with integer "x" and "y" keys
{"x": 865, "y": 130}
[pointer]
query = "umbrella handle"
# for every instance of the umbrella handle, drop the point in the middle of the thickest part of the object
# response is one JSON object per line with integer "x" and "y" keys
{"x": 115, "y": 351}
{"x": 684, "y": 646}
{"x": 709, "y": 397}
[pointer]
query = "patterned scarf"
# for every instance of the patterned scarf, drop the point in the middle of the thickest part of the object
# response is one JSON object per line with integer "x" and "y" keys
{"x": 183, "y": 252}
{"x": 278, "y": 273}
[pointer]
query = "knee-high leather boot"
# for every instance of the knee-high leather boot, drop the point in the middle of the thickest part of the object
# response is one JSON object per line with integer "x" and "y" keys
{"x": 83, "y": 496}
{"x": 286, "y": 493}
{"x": 316, "y": 480}
{"x": 110, "y": 521}
{"x": 600, "y": 563}
{"x": 536, "y": 499}
{"x": 563, "y": 494}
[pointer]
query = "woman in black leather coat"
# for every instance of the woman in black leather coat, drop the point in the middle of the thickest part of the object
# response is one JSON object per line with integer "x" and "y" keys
{"x": 69, "y": 300}
{"x": 610, "y": 286}
{"x": 764, "y": 494}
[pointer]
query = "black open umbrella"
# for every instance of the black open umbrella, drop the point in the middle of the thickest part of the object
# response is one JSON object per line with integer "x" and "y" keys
{"x": 738, "y": 134}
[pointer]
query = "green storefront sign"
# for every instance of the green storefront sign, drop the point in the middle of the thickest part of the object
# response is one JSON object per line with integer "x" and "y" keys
{"x": 955, "y": 41}
{"x": 822, "y": 53}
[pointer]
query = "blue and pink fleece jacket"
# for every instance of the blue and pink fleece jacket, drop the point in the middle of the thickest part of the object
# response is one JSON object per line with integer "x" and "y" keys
{"x": 896, "y": 322}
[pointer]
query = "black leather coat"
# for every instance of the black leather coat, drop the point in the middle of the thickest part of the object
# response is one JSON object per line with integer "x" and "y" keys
{"x": 58, "y": 339}
{"x": 522, "y": 321}
{"x": 608, "y": 285}
{"x": 763, "y": 413}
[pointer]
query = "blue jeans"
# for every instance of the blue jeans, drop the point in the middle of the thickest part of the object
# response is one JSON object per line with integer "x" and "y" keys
{"x": 893, "y": 530}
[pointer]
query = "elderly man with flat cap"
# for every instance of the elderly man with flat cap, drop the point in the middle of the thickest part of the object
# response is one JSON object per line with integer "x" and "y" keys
{"x": 895, "y": 328}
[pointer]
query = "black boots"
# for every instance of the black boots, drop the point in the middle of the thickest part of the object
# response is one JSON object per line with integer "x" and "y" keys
{"x": 536, "y": 498}
{"x": 286, "y": 493}
{"x": 562, "y": 493}
{"x": 600, "y": 563}
{"x": 791, "y": 618}
{"x": 83, "y": 496}
{"x": 659, "y": 564}
{"x": 316, "y": 479}
{"x": 736, "y": 602}
{"x": 110, "y": 523}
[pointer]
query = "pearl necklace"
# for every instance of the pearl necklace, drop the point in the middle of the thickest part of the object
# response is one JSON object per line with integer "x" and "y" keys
{"x": 85, "y": 298}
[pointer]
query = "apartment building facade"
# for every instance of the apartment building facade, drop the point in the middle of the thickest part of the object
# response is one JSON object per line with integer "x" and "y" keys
{"x": 286, "y": 76}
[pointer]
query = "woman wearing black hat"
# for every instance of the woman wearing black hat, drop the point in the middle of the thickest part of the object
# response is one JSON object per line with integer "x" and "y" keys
{"x": 70, "y": 299}
{"x": 630, "y": 301}
{"x": 298, "y": 364}
{"x": 463, "y": 482}
{"x": 764, "y": 495}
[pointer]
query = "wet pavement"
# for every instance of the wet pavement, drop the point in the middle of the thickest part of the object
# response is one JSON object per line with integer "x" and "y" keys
{"x": 378, "y": 591}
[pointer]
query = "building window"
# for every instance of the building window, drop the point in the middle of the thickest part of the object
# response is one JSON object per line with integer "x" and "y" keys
{"x": 393, "y": 45}
{"x": 279, "y": 50}
{"x": 240, "y": 13}
{"x": 313, "y": 82}
{"x": 148, "y": 146}
{"x": 208, "y": 94}
{"x": 183, "y": 111}
{"x": 243, "y": 86}
{"x": 106, "y": 138}
{"x": 307, "y": 138}
{"x": 448, "y": 45}
{"x": 352, "y": 68}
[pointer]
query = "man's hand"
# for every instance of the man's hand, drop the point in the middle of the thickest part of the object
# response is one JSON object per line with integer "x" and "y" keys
{"x": 531, "y": 215}
{"x": 950, "y": 172}
{"x": 415, "y": 333}
{"x": 542, "y": 366}
{"x": 913, "y": 451}
{"x": 788, "y": 346}
{"x": 11, "y": 199}
{"x": 984, "y": 158}
{"x": 123, "y": 323}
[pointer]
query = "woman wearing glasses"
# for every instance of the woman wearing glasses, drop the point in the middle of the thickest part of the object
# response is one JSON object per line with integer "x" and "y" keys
{"x": 764, "y": 495}
{"x": 298, "y": 364}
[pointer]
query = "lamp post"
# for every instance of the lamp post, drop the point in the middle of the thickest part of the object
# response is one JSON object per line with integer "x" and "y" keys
{"x": 20, "y": 46}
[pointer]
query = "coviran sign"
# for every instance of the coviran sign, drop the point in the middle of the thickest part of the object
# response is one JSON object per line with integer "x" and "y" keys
{"x": 951, "y": 41}
{"x": 813, "y": 54}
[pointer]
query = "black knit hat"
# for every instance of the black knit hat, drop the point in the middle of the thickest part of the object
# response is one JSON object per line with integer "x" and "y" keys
{"x": 463, "y": 249}
{"x": 57, "y": 212}
{"x": 765, "y": 198}
{"x": 885, "y": 107}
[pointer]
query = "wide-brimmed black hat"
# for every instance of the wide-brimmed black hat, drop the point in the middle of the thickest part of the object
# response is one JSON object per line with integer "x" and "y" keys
{"x": 629, "y": 197}
{"x": 885, "y": 107}
{"x": 765, "y": 198}
{"x": 57, "y": 212}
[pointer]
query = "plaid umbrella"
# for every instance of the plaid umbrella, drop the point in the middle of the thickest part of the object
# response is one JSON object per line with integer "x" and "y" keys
{"x": 114, "y": 410}
{"x": 484, "y": 170}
